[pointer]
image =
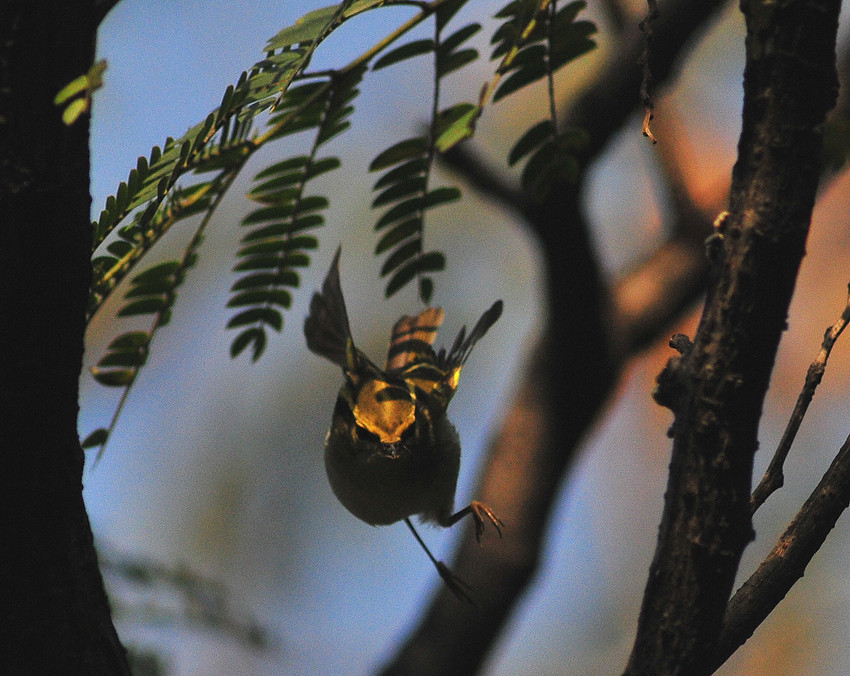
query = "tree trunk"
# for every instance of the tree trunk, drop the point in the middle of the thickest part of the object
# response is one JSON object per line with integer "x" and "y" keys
{"x": 717, "y": 386}
{"x": 55, "y": 615}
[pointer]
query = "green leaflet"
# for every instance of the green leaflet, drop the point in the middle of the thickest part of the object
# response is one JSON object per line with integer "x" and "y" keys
{"x": 530, "y": 140}
{"x": 430, "y": 262}
{"x": 399, "y": 152}
{"x": 96, "y": 438}
{"x": 275, "y": 244}
{"x": 308, "y": 29}
{"x": 84, "y": 86}
{"x": 406, "y": 51}
{"x": 255, "y": 338}
{"x": 398, "y": 233}
{"x": 522, "y": 41}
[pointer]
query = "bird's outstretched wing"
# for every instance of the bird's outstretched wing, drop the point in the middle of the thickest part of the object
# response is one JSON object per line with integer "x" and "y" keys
{"x": 437, "y": 375}
{"x": 326, "y": 327}
{"x": 463, "y": 344}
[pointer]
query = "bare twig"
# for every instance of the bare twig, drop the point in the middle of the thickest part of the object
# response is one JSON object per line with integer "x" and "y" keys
{"x": 773, "y": 477}
{"x": 646, "y": 70}
{"x": 787, "y": 562}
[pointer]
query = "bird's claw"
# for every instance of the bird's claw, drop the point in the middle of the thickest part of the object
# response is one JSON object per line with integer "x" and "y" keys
{"x": 480, "y": 511}
{"x": 457, "y": 586}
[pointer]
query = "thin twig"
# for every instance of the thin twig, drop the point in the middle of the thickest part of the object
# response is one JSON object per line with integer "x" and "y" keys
{"x": 774, "y": 478}
{"x": 646, "y": 75}
{"x": 787, "y": 562}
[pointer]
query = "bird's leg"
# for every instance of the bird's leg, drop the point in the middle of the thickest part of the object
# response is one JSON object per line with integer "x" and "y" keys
{"x": 479, "y": 511}
{"x": 457, "y": 586}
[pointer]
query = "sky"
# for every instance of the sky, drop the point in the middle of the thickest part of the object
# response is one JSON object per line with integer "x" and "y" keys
{"x": 216, "y": 465}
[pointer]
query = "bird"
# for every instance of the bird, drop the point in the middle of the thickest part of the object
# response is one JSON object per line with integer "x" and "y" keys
{"x": 391, "y": 452}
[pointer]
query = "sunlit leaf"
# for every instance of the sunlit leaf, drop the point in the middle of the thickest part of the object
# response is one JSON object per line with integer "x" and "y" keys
{"x": 306, "y": 29}
{"x": 74, "y": 87}
{"x": 113, "y": 377}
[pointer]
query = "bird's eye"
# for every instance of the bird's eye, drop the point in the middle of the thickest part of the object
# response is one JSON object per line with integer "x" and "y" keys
{"x": 365, "y": 435}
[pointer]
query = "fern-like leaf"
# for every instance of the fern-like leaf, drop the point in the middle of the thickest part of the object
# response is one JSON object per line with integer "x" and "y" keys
{"x": 549, "y": 38}
{"x": 528, "y": 25}
{"x": 275, "y": 247}
{"x": 404, "y": 186}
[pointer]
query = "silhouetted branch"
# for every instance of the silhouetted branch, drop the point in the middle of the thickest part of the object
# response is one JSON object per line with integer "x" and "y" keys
{"x": 774, "y": 478}
{"x": 787, "y": 562}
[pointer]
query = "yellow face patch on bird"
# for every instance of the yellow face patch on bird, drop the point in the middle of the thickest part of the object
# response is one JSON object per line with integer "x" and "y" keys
{"x": 385, "y": 409}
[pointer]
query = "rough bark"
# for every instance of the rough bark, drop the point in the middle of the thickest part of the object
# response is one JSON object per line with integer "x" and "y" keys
{"x": 716, "y": 387}
{"x": 55, "y": 616}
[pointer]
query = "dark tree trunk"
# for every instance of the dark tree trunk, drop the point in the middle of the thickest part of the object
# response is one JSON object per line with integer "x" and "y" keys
{"x": 55, "y": 615}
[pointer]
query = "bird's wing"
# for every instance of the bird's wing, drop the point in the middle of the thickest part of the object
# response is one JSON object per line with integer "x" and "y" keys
{"x": 326, "y": 327}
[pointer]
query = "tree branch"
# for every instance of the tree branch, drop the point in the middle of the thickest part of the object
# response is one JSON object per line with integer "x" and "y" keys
{"x": 774, "y": 478}
{"x": 787, "y": 562}
{"x": 717, "y": 386}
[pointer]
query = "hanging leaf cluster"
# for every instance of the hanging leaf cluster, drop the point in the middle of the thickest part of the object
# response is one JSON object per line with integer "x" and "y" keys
{"x": 276, "y": 245}
{"x": 534, "y": 42}
{"x": 219, "y": 144}
{"x": 404, "y": 185}
{"x": 548, "y": 43}
{"x": 185, "y": 180}
{"x": 148, "y": 225}
{"x": 257, "y": 90}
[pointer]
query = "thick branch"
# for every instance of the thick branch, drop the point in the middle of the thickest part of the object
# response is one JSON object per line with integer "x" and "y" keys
{"x": 716, "y": 388}
{"x": 56, "y": 617}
